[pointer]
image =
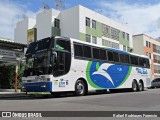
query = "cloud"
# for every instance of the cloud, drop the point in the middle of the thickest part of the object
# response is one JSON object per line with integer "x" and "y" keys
{"x": 11, "y": 13}
{"x": 140, "y": 17}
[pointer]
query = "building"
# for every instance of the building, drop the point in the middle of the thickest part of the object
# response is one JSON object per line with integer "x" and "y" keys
{"x": 11, "y": 53}
{"x": 77, "y": 22}
{"x": 146, "y": 45}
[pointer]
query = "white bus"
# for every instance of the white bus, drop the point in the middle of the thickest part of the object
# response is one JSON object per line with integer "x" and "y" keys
{"x": 60, "y": 64}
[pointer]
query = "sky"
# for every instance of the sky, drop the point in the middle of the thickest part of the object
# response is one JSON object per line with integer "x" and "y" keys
{"x": 142, "y": 16}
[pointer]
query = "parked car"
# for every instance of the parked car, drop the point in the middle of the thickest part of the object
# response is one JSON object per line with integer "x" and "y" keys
{"x": 155, "y": 83}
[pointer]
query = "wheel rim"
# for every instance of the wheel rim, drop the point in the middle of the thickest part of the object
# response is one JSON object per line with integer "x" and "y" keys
{"x": 80, "y": 88}
{"x": 140, "y": 86}
{"x": 134, "y": 87}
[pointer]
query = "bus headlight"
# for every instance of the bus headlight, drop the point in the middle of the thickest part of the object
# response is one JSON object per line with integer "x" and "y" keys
{"x": 43, "y": 86}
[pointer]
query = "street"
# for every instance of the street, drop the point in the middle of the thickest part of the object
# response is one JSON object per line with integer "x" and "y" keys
{"x": 147, "y": 100}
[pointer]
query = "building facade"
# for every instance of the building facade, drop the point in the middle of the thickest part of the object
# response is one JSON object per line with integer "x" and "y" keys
{"x": 146, "y": 45}
{"x": 79, "y": 23}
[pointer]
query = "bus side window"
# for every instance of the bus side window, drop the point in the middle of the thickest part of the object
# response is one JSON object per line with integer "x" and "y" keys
{"x": 78, "y": 50}
{"x": 116, "y": 57}
{"x": 63, "y": 45}
{"x": 103, "y": 54}
{"x": 122, "y": 59}
{"x": 147, "y": 62}
{"x": 87, "y": 51}
{"x": 132, "y": 60}
{"x": 110, "y": 55}
{"x": 140, "y": 62}
{"x": 136, "y": 60}
{"x": 95, "y": 52}
{"x": 126, "y": 57}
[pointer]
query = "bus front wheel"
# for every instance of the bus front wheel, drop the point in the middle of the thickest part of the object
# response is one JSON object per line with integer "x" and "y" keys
{"x": 80, "y": 88}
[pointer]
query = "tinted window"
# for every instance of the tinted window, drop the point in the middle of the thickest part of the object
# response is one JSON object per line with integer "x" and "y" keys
{"x": 156, "y": 80}
{"x": 132, "y": 60}
{"x": 126, "y": 57}
{"x": 63, "y": 45}
{"x": 146, "y": 63}
{"x": 116, "y": 57}
{"x": 96, "y": 53}
{"x": 122, "y": 59}
{"x": 78, "y": 50}
{"x": 103, "y": 54}
{"x": 110, "y": 55}
{"x": 136, "y": 60}
{"x": 87, "y": 51}
{"x": 140, "y": 61}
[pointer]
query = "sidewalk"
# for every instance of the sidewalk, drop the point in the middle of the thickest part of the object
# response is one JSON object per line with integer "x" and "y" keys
{"x": 12, "y": 94}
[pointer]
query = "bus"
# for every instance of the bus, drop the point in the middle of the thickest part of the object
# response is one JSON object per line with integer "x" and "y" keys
{"x": 59, "y": 64}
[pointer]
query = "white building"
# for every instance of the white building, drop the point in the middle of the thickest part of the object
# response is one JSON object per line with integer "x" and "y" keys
{"x": 79, "y": 23}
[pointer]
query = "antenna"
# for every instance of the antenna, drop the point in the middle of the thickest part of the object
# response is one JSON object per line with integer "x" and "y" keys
{"x": 59, "y": 4}
{"x": 100, "y": 11}
{"x": 24, "y": 16}
{"x": 45, "y": 7}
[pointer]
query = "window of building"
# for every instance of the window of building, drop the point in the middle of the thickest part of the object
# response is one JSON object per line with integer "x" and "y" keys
{"x": 110, "y": 44}
{"x": 94, "y": 24}
{"x": 123, "y": 35}
{"x": 87, "y": 51}
{"x": 57, "y": 23}
{"x": 94, "y": 40}
{"x": 88, "y": 22}
{"x": 149, "y": 55}
{"x": 105, "y": 29}
{"x": 88, "y": 38}
{"x": 127, "y": 36}
{"x": 95, "y": 53}
{"x": 114, "y": 34}
{"x": 128, "y": 49}
{"x": 148, "y": 44}
{"x": 124, "y": 48}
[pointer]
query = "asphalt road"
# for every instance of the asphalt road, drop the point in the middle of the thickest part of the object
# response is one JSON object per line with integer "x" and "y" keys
{"x": 148, "y": 100}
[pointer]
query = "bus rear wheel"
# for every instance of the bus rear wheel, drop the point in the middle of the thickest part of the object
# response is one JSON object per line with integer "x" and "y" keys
{"x": 140, "y": 86}
{"x": 134, "y": 86}
{"x": 80, "y": 88}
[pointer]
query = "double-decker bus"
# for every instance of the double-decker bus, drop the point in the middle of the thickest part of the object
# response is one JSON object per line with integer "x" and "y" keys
{"x": 60, "y": 64}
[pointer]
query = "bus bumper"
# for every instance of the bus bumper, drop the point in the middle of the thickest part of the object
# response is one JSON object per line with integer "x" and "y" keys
{"x": 37, "y": 87}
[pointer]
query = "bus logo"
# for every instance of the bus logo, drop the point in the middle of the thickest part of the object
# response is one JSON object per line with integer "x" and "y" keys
{"x": 141, "y": 70}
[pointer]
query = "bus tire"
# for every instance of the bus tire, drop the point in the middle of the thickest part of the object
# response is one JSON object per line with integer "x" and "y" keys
{"x": 80, "y": 88}
{"x": 140, "y": 86}
{"x": 134, "y": 86}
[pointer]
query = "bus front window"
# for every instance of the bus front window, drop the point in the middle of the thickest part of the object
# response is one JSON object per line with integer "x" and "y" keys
{"x": 41, "y": 63}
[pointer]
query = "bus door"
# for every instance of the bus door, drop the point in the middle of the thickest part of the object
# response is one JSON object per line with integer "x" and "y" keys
{"x": 63, "y": 62}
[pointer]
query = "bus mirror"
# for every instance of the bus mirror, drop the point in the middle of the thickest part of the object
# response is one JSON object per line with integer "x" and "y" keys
{"x": 54, "y": 54}
{"x": 53, "y": 58}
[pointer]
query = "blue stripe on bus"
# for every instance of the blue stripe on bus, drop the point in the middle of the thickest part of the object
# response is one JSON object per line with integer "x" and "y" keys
{"x": 38, "y": 87}
{"x": 116, "y": 50}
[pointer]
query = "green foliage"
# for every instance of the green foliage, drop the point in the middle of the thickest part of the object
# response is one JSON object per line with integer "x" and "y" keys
{"x": 7, "y": 76}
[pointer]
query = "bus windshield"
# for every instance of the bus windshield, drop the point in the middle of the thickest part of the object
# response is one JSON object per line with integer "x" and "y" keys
{"x": 48, "y": 56}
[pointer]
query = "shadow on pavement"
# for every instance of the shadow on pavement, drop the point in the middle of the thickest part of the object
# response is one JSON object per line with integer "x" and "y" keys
{"x": 49, "y": 96}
